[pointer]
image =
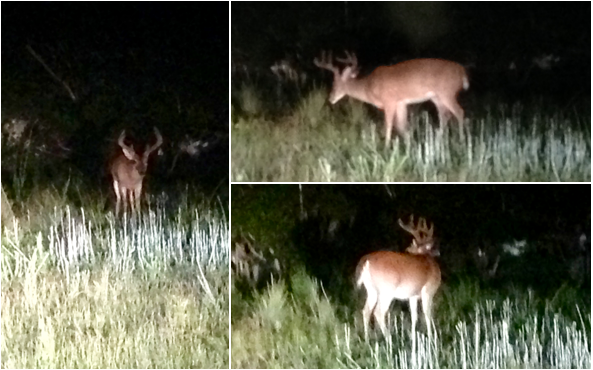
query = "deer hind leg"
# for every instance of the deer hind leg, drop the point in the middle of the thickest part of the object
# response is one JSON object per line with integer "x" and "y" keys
{"x": 414, "y": 313}
{"x": 369, "y": 308}
{"x": 426, "y": 308}
{"x": 381, "y": 314}
{"x": 448, "y": 107}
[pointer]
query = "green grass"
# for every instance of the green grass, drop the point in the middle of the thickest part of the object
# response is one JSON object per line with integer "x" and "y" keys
{"x": 81, "y": 289}
{"x": 531, "y": 315}
{"x": 313, "y": 142}
{"x": 294, "y": 324}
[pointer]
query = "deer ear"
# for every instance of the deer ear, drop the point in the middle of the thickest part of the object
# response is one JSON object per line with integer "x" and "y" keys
{"x": 129, "y": 153}
{"x": 347, "y": 74}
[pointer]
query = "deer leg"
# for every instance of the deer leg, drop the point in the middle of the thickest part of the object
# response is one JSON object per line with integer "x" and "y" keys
{"x": 369, "y": 307}
{"x": 389, "y": 116}
{"x": 442, "y": 110}
{"x": 447, "y": 107}
{"x": 137, "y": 194}
{"x": 414, "y": 313}
{"x": 124, "y": 198}
{"x": 131, "y": 201}
{"x": 381, "y": 313}
{"x": 426, "y": 308}
{"x": 457, "y": 111}
{"x": 117, "y": 196}
{"x": 401, "y": 118}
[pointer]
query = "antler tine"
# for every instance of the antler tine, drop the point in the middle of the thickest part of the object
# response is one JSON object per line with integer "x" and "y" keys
{"x": 325, "y": 62}
{"x": 155, "y": 146}
{"x": 410, "y": 228}
{"x": 422, "y": 227}
{"x": 121, "y": 143}
{"x": 350, "y": 59}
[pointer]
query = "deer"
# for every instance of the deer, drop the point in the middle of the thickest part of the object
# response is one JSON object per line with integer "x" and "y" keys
{"x": 128, "y": 170}
{"x": 392, "y": 88}
{"x": 410, "y": 276}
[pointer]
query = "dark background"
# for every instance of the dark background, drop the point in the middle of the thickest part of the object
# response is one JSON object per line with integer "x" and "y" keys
{"x": 131, "y": 66}
{"x": 328, "y": 228}
{"x": 496, "y": 41}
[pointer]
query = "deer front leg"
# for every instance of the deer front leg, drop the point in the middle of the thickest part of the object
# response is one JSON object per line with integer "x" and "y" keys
{"x": 117, "y": 197}
{"x": 138, "y": 197}
{"x": 389, "y": 116}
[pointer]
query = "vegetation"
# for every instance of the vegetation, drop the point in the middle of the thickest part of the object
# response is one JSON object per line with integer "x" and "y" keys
{"x": 311, "y": 316}
{"x": 81, "y": 288}
{"x": 528, "y": 111}
{"x": 313, "y": 142}
{"x": 300, "y": 327}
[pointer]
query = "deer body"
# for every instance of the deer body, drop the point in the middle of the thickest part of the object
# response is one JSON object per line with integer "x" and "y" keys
{"x": 393, "y": 88}
{"x": 128, "y": 170}
{"x": 412, "y": 276}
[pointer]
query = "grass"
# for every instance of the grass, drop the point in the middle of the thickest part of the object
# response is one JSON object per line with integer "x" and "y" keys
{"x": 81, "y": 289}
{"x": 293, "y": 324}
{"x": 312, "y": 142}
{"x": 531, "y": 314}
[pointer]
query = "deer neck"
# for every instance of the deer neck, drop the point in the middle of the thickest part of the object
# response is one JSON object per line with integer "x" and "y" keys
{"x": 358, "y": 88}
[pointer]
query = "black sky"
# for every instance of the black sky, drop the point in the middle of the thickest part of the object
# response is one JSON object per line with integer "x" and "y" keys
{"x": 140, "y": 45}
{"x": 487, "y": 37}
{"x": 495, "y": 212}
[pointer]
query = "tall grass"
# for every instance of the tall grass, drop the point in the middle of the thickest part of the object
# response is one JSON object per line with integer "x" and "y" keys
{"x": 313, "y": 142}
{"x": 294, "y": 324}
{"x": 83, "y": 289}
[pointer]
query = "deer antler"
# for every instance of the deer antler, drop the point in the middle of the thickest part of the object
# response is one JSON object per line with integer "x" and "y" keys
{"x": 120, "y": 141}
{"x": 350, "y": 60}
{"x": 421, "y": 232}
{"x": 159, "y": 141}
{"x": 325, "y": 62}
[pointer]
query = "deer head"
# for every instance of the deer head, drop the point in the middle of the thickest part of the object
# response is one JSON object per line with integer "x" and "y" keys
{"x": 128, "y": 170}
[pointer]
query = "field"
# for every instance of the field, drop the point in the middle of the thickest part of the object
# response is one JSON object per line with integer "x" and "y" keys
{"x": 295, "y": 325}
{"x": 530, "y": 313}
{"x": 81, "y": 289}
{"x": 306, "y": 140}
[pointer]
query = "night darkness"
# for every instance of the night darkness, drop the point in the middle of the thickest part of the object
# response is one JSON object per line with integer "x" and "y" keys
{"x": 129, "y": 66}
{"x": 508, "y": 254}
{"x": 486, "y": 37}
{"x": 319, "y": 89}
{"x": 85, "y": 83}
{"x": 363, "y": 218}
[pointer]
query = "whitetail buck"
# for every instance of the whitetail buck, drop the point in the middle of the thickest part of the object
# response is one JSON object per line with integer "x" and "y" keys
{"x": 404, "y": 276}
{"x": 393, "y": 88}
{"x": 128, "y": 169}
